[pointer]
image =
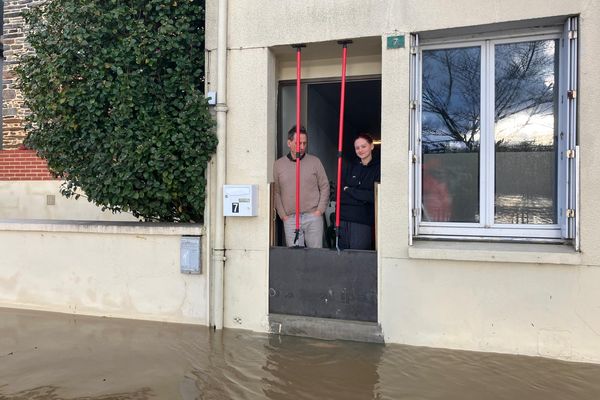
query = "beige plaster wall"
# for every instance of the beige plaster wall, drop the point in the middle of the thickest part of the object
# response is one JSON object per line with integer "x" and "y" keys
{"x": 540, "y": 303}
{"x": 589, "y": 121}
{"x": 123, "y": 271}
{"x": 249, "y": 134}
{"x": 273, "y": 22}
{"x": 546, "y": 310}
{"x": 29, "y": 200}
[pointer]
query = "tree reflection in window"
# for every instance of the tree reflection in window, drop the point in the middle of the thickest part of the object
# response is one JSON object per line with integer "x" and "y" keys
{"x": 524, "y": 134}
{"x": 451, "y": 123}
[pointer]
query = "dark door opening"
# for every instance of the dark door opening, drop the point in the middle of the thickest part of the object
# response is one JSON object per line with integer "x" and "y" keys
{"x": 322, "y": 282}
{"x": 321, "y": 111}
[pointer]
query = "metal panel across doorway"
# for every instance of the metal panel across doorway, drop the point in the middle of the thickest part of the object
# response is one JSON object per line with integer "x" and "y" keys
{"x": 322, "y": 283}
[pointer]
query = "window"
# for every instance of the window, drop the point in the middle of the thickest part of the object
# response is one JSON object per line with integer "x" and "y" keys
{"x": 493, "y": 136}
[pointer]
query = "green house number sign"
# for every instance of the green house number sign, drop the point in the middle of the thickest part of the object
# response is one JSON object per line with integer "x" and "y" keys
{"x": 395, "y": 42}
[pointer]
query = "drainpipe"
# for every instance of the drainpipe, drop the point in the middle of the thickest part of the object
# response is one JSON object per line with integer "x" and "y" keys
{"x": 221, "y": 109}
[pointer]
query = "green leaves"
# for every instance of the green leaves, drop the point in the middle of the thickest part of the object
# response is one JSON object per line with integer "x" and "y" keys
{"x": 117, "y": 103}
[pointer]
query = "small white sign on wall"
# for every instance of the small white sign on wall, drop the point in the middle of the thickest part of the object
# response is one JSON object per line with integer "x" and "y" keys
{"x": 240, "y": 200}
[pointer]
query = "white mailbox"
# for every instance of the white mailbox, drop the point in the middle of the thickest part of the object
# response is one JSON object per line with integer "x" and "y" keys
{"x": 240, "y": 200}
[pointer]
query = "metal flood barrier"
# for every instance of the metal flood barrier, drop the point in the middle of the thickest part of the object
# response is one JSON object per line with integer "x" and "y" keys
{"x": 323, "y": 283}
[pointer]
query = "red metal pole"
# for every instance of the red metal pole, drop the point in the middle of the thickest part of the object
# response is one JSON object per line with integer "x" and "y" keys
{"x": 298, "y": 98}
{"x": 344, "y": 43}
{"x": 298, "y": 48}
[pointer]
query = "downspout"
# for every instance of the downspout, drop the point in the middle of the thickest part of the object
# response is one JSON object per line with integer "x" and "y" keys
{"x": 221, "y": 109}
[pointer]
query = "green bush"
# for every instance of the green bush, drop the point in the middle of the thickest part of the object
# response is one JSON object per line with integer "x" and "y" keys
{"x": 115, "y": 88}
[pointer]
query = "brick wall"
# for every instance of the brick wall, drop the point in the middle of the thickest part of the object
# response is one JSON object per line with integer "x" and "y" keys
{"x": 13, "y": 37}
{"x": 15, "y": 162}
{"x": 22, "y": 165}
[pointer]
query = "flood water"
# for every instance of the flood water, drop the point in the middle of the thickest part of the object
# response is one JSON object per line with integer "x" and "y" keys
{"x": 58, "y": 356}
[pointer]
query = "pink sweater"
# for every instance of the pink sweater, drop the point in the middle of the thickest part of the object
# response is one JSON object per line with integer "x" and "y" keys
{"x": 314, "y": 186}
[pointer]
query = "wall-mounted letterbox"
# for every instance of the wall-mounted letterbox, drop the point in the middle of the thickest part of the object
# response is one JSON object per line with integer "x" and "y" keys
{"x": 240, "y": 200}
{"x": 190, "y": 248}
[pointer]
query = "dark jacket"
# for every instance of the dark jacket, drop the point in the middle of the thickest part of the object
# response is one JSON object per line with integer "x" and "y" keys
{"x": 357, "y": 202}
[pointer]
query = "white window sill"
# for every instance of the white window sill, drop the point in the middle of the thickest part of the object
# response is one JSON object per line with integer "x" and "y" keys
{"x": 108, "y": 227}
{"x": 494, "y": 252}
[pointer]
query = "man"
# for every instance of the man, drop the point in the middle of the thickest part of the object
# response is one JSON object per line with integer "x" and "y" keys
{"x": 314, "y": 193}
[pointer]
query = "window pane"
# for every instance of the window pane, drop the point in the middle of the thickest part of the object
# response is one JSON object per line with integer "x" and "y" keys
{"x": 451, "y": 127}
{"x": 525, "y": 132}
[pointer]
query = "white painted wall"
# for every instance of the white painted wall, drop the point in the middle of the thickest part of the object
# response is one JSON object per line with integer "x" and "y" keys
{"x": 529, "y": 300}
{"x": 127, "y": 270}
{"x": 29, "y": 200}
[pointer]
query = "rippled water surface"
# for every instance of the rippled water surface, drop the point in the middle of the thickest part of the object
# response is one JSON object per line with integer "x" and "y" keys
{"x": 56, "y": 356}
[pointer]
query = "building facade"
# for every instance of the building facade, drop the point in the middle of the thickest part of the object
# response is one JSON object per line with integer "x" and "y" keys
{"x": 486, "y": 208}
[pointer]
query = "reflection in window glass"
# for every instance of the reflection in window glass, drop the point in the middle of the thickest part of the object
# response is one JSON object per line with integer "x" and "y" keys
{"x": 451, "y": 127}
{"x": 525, "y": 132}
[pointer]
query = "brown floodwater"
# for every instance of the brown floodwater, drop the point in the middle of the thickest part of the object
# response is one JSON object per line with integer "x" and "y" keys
{"x": 58, "y": 356}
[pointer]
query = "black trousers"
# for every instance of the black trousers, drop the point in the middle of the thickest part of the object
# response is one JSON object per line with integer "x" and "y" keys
{"x": 355, "y": 236}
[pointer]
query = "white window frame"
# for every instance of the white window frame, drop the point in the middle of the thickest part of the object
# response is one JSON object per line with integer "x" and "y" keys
{"x": 567, "y": 168}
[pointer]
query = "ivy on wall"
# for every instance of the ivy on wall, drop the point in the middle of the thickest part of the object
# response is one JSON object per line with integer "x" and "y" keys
{"x": 115, "y": 89}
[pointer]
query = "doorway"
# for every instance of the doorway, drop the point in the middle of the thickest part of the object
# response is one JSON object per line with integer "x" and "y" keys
{"x": 320, "y": 116}
{"x": 322, "y": 282}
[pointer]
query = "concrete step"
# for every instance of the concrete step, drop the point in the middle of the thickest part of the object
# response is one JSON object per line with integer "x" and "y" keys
{"x": 325, "y": 328}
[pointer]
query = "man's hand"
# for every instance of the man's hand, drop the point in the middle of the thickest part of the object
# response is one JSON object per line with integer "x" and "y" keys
{"x": 317, "y": 213}
{"x": 285, "y": 218}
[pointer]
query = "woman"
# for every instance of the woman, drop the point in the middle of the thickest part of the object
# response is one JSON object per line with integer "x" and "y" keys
{"x": 357, "y": 200}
